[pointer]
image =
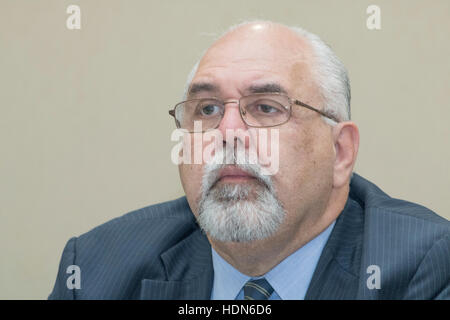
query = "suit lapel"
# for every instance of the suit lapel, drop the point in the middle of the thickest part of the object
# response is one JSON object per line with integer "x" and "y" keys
{"x": 336, "y": 274}
{"x": 189, "y": 272}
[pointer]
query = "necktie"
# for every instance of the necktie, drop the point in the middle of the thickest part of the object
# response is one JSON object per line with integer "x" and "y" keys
{"x": 257, "y": 289}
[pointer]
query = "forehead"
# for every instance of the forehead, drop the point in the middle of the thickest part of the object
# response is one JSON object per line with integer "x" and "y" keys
{"x": 255, "y": 57}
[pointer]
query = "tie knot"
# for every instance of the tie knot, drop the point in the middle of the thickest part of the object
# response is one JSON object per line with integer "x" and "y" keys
{"x": 257, "y": 289}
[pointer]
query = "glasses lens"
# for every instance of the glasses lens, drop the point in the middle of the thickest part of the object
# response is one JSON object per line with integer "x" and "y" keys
{"x": 265, "y": 110}
{"x": 199, "y": 114}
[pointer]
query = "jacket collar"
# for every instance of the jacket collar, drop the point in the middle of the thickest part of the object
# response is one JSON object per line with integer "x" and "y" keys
{"x": 189, "y": 272}
{"x": 337, "y": 272}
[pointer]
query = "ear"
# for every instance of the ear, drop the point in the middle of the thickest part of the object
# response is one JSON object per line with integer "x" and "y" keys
{"x": 346, "y": 144}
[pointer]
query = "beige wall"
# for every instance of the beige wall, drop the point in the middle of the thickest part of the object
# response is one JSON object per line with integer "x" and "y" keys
{"x": 84, "y": 129}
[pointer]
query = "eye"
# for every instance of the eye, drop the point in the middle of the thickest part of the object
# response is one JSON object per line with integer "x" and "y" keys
{"x": 265, "y": 108}
{"x": 209, "y": 110}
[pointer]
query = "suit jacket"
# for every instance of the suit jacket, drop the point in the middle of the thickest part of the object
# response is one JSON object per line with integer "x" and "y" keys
{"x": 380, "y": 248}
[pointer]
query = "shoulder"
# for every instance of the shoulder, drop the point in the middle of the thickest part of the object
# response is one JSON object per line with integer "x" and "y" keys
{"x": 407, "y": 241}
{"x": 174, "y": 209}
{"x": 383, "y": 207}
{"x": 155, "y": 227}
{"x": 158, "y": 224}
{"x": 116, "y": 255}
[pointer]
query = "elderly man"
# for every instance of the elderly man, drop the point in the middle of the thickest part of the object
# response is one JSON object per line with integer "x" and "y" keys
{"x": 310, "y": 229}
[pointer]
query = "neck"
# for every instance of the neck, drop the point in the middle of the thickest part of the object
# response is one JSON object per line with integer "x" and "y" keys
{"x": 258, "y": 257}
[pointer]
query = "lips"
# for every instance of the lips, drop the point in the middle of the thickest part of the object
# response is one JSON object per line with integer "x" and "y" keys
{"x": 233, "y": 173}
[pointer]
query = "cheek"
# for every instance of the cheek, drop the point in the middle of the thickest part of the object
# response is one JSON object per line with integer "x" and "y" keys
{"x": 197, "y": 149}
{"x": 296, "y": 150}
{"x": 305, "y": 163}
{"x": 191, "y": 180}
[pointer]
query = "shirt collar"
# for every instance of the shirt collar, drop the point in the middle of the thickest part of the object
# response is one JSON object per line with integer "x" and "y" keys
{"x": 290, "y": 278}
{"x": 228, "y": 281}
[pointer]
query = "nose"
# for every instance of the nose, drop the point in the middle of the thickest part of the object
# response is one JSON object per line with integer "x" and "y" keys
{"x": 232, "y": 120}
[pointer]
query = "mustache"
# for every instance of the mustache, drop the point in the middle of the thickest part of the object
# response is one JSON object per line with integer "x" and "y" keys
{"x": 212, "y": 172}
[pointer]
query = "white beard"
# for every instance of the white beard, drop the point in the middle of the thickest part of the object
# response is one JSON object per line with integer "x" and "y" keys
{"x": 239, "y": 212}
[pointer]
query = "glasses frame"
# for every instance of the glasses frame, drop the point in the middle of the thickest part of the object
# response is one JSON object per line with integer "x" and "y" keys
{"x": 242, "y": 112}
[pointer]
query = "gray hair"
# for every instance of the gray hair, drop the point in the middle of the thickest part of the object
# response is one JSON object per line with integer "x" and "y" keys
{"x": 329, "y": 72}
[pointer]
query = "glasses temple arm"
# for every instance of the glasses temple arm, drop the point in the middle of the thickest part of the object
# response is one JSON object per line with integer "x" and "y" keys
{"x": 297, "y": 102}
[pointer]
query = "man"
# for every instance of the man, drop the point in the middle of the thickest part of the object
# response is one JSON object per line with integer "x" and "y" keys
{"x": 307, "y": 229}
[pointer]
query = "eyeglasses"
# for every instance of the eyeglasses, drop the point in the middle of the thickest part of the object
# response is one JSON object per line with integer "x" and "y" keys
{"x": 257, "y": 110}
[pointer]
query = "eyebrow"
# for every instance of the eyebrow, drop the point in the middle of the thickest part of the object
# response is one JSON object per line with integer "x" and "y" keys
{"x": 267, "y": 88}
{"x": 270, "y": 87}
{"x": 202, "y": 87}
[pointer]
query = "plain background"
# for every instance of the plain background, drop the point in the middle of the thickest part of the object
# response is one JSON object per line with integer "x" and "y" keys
{"x": 84, "y": 128}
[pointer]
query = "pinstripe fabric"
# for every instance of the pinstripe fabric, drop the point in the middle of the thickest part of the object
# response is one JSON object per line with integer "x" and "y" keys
{"x": 131, "y": 256}
{"x": 158, "y": 252}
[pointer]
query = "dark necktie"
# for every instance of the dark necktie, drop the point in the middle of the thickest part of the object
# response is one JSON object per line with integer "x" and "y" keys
{"x": 257, "y": 289}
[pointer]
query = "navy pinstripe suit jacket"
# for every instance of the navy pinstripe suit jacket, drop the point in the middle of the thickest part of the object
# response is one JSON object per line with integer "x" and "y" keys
{"x": 159, "y": 252}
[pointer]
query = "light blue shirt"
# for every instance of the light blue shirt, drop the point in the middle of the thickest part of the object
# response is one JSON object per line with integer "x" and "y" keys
{"x": 290, "y": 278}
